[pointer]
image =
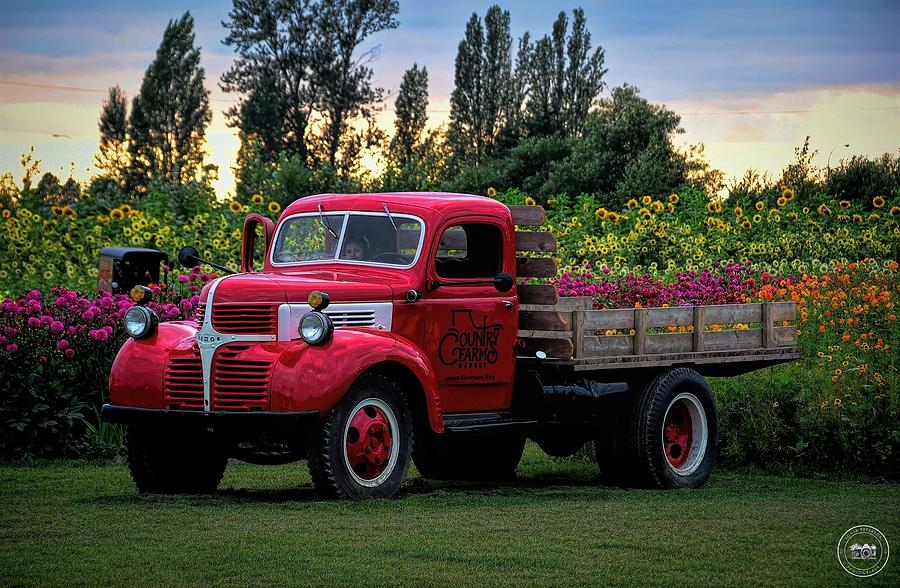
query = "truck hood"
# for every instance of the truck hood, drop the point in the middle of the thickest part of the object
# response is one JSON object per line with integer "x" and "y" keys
{"x": 295, "y": 287}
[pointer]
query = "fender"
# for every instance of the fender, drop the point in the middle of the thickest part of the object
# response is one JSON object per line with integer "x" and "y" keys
{"x": 136, "y": 378}
{"x": 317, "y": 377}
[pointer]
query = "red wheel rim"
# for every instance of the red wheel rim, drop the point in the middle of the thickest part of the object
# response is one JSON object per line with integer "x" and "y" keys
{"x": 368, "y": 442}
{"x": 678, "y": 434}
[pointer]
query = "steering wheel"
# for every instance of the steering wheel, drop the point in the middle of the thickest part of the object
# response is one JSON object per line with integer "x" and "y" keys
{"x": 391, "y": 257}
{"x": 285, "y": 257}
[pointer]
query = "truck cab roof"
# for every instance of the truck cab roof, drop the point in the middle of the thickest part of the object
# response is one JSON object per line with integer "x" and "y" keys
{"x": 445, "y": 204}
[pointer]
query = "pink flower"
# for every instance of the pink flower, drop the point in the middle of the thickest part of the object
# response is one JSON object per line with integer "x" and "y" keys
{"x": 56, "y": 327}
{"x": 183, "y": 279}
{"x": 70, "y": 353}
{"x": 34, "y": 321}
{"x": 99, "y": 334}
{"x": 12, "y": 348}
{"x": 62, "y": 344}
{"x": 34, "y": 295}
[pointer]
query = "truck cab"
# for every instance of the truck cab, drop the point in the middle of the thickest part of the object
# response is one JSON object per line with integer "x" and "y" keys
{"x": 386, "y": 328}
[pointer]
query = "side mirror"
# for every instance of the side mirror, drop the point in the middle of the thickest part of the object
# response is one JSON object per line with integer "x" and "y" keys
{"x": 503, "y": 282}
{"x": 188, "y": 257}
{"x": 248, "y": 241}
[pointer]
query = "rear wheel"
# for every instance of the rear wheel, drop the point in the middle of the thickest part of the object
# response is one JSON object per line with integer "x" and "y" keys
{"x": 675, "y": 430}
{"x": 174, "y": 462}
{"x": 363, "y": 447}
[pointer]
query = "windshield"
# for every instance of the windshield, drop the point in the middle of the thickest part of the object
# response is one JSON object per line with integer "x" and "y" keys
{"x": 349, "y": 236}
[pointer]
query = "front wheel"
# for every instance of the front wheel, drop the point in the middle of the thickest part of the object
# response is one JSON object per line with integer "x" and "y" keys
{"x": 676, "y": 430}
{"x": 363, "y": 447}
{"x": 174, "y": 461}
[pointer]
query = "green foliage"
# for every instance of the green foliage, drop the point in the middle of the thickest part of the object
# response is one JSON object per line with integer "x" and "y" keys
{"x": 112, "y": 160}
{"x": 410, "y": 110}
{"x": 563, "y": 78}
{"x": 170, "y": 114}
{"x": 860, "y": 179}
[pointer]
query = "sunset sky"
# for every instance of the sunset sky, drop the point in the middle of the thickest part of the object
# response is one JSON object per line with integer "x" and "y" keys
{"x": 750, "y": 79}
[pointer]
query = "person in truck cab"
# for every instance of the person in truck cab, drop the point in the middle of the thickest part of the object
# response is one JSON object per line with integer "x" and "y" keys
{"x": 356, "y": 249}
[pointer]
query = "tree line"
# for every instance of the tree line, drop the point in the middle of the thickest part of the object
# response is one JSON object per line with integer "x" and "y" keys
{"x": 524, "y": 113}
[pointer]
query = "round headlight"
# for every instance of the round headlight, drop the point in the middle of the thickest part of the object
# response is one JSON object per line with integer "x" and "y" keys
{"x": 315, "y": 328}
{"x": 140, "y": 322}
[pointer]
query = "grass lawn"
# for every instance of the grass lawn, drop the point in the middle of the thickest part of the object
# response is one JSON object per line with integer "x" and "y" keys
{"x": 84, "y": 524}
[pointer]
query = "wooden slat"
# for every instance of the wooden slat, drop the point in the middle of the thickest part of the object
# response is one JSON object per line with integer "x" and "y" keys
{"x": 669, "y": 343}
{"x": 535, "y": 267}
{"x": 595, "y": 320}
{"x": 785, "y": 336}
{"x": 640, "y": 330}
{"x": 557, "y": 348}
{"x": 537, "y": 294}
{"x": 578, "y": 332}
{"x": 538, "y": 334}
{"x": 768, "y": 337}
{"x": 544, "y": 320}
{"x": 575, "y": 303}
{"x": 699, "y": 328}
{"x": 528, "y": 215}
{"x": 608, "y": 346}
{"x": 727, "y": 340}
{"x": 664, "y": 317}
{"x": 535, "y": 241}
{"x": 733, "y": 313}
{"x": 784, "y": 311}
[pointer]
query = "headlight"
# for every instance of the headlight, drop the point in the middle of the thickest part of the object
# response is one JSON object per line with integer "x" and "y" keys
{"x": 140, "y": 322}
{"x": 315, "y": 328}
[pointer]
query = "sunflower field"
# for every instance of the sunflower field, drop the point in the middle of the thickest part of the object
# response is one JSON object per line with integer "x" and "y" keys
{"x": 834, "y": 411}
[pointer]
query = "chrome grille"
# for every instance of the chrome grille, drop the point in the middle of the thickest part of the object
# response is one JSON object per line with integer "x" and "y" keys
{"x": 183, "y": 381}
{"x": 245, "y": 319}
{"x": 238, "y": 383}
{"x": 351, "y": 318}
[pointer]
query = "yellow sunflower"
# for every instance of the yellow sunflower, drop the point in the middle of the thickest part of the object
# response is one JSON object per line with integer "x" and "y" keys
{"x": 6, "y": 213}
{"x": 738, "y": 211}
{"x": 845, "y": 204}
{"x": 646, "y": 200}
{"x": 760, "y": 205}
{"x": 878, "y": 202}
{"x": 792, "y": 215}
{"x": 234, "y": 206}
{"x": 674, "y": 198}
{"x": 823, "y": 209}
{"x": 670, "y": 207}
{"x": 125, "y": 208}
{"x": 529, "y": 201}
{"x": 257, "y": 199}
{"x": 68, "y": 211}
{"x": 781, "y": 201}
{"x": 631, "y": 203}
{"x": 874, "y": 216}
{"x": 116, "y": 214}
{"x": 601, "y": 213}
{"x": 56, "y": 210}
{"x": 857, "y": 218}
{"x": 492, "y": 192}
{"x": 657, "y": 206}
{"x": 895, "y": 210}
{"x": 787, "y": 194}
{"x": 274, "y": 207}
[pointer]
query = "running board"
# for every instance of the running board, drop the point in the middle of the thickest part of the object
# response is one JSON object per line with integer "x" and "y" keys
{"x": 485, "y": 422}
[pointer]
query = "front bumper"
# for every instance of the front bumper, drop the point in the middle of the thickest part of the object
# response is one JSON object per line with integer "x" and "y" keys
{"x": 238, "y": 421}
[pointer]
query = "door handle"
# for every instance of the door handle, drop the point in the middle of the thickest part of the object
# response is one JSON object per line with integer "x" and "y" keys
{"x": 509, "y": 305}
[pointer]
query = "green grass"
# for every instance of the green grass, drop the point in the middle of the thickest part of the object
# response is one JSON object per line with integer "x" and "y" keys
{"x": 84, "y": 524}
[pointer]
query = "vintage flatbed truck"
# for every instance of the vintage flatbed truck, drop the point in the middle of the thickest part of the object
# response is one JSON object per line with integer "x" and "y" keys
{"x": 389, "y": 328}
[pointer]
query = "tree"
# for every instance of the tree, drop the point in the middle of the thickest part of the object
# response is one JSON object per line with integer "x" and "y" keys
{"x": 483, "y": 105}
{"x": 410, "y": 109}
{"x": 624, "y": 134}
{"x": 170, "y": 114}
{"x": 299, "y": 63}
{"x": 563, "y": 78}
{"x": 112, "y": 160}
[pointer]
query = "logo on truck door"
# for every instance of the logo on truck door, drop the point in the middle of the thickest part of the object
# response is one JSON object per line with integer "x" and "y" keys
{"x": 467, "y": 345}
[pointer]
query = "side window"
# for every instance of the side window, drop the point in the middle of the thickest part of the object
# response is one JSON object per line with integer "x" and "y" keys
{"x": 470, "y": 250}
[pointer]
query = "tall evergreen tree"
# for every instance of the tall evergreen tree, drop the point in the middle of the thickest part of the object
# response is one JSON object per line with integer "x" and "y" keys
{"x": 410, "y": 109}
{"x": 112, "y": 160}
{"x": 563, "y": 78}
{"x": 170, "y": 114}
{"x": 485, "y": 100}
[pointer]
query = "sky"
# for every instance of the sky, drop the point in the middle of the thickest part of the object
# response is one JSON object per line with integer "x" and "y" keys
{"x": 750, "y": 79}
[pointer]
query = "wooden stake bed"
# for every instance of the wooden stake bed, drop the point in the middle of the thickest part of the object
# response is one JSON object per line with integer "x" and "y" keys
{"x": 570, "y": 334}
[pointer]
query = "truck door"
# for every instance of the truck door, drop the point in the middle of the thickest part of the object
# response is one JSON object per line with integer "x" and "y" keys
{"x": 470, "y": 326}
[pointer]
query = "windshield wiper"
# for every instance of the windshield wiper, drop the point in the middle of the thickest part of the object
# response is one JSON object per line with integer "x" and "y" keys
{"x": 390, "y": 218}
{"x": 324, "y": 223}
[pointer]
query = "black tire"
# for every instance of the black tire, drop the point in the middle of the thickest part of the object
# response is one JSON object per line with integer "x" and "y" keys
{"x": 174, "y": 462}
{"x": 612, "y": 450}
{"x": 675, "y": 431}
{"x": 470, "y": 457}
{"x": 377, "y": 402}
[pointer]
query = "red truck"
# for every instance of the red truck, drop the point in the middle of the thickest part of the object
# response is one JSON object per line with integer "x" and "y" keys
{"x": 388, "y": 328}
